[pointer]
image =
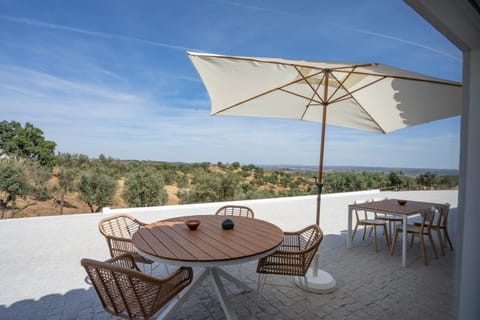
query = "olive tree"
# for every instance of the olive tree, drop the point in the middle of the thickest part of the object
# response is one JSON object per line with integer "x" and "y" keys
{"x": 144, "y": 187}
{"x": 66, "y": 183}
{"x": 96, "y": 189}
{"x": 13, "y": 184}
{"x": 38, "y": 177}
{"x": 209, "y": 186}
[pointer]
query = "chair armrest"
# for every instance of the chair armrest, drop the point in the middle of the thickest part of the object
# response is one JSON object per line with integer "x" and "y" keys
{"x": 296, "y": 233}
{"x": 124, "y": 260}
{"x": 180, "y": 273}
{"x": 314, "y": 246}
{"x": 120, "y": 239}
{"x": 169, "y": 286}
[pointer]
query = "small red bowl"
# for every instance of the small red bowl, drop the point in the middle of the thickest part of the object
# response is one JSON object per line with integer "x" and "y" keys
{"x": 192, "y": 224}
{"x": 402, "y": 202}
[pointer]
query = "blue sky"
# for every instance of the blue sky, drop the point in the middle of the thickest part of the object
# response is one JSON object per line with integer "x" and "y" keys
{"x": 112, "y": 77}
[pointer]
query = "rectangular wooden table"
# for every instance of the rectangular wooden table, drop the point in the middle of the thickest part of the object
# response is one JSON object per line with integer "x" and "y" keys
{"x": 390, "y": 206}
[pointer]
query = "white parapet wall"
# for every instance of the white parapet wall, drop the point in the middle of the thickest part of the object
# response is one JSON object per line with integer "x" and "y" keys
{"x": 289, "y": 213}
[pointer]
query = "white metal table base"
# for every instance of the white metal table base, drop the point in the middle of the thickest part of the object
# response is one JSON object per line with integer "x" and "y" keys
{"x": 214, "y": 273}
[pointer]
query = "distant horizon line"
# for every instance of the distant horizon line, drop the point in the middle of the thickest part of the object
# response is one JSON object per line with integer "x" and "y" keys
{"x": 300, "y": 166}
{"x": 309, "y": 166}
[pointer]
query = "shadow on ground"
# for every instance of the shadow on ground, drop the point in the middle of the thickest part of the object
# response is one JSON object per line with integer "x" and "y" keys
{"x": 75, "y": 304}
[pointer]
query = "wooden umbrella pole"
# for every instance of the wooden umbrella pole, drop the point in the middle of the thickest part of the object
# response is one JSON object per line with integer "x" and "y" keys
{"x": 320, "y": 167}
{"x": 322, "y": 147}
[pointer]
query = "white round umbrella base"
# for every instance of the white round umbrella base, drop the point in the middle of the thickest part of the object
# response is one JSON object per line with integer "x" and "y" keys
{"x": 322, "y": 283}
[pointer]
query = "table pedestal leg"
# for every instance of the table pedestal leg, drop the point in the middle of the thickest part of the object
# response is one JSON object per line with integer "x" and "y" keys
{"x": 232, "y": 279}
{"x": 222, "y": 294}
{"x": 198, "y": 278}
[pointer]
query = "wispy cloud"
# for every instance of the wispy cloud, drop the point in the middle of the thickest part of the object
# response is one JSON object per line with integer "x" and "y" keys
{"x": 398, "y": 39}
{"x": 40, "y": 83}
{"x": 343, "y": 26}
{"x": 84, "y": 118}
{"x": 41, "y": 24}
{"x": 260, "y": 9}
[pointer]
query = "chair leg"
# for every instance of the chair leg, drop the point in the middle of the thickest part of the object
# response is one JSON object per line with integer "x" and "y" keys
{"x": 412, "y": 240}
{"x": 375, "y": 236}
{"x": 440, "y": 241}
{"x": 386, "y": 235}
{"x": 394, "y": 242}
{"x": 370, "y": 233}
{"x": 433, "y": 245}
{"x": 445, "y": 232}
{"x": 364, "y": 231}
{"x": 424, "y": 252}
{"x": 355, "y": 231}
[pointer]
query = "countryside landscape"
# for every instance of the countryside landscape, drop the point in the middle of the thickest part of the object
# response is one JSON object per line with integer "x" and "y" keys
{"x": 34, "y": 181}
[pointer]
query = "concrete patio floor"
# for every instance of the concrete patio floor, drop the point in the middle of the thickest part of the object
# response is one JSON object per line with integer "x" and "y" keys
{"x": 42, "y": 277}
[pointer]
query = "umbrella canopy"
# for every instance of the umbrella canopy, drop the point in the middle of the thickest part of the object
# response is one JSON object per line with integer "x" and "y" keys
{"x": 365, "y": 96}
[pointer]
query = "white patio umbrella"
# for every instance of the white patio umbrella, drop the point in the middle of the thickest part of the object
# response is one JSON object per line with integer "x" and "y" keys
{"x": 365, "y": 96}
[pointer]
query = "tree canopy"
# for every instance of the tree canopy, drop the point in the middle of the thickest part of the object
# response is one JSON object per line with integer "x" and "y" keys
{"x": 26, "y": 142}
{"x": 13, "y": 184}
{"x": 96, "y": 189}
{"x": 144, "y": 188}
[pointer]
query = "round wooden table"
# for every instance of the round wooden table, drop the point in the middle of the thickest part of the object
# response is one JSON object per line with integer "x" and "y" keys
{"x": 171, "y": 241}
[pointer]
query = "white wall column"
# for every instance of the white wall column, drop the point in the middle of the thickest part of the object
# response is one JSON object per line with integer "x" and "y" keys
{"x": 467, "y": 273}
{"x": 459, "y": 21}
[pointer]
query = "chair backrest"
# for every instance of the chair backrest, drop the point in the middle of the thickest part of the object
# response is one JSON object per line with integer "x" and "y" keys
{"x": 129, "y": 293}
{"x": 428, "y": 216}
{"x": 310, "y": 236}
{"x": 357, "y": 210}
{"x": 120, "y": 226}
{"x": 118, "y": 231}
{"x": 444, "y": 210}
{"x": 309, "y": 240}
{"x": 234, "y": 210}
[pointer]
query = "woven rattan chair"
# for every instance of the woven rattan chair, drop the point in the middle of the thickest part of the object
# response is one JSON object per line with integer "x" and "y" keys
{"x": 293, "y": 257}
{"x": 118, "y": 231}
{"x": 419, "y": 230}
{"x": 126, "y": 292}
{"x": 373, "y": 223}
{"x": 234, "y": 210}
{"x": 439, "y": 225}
